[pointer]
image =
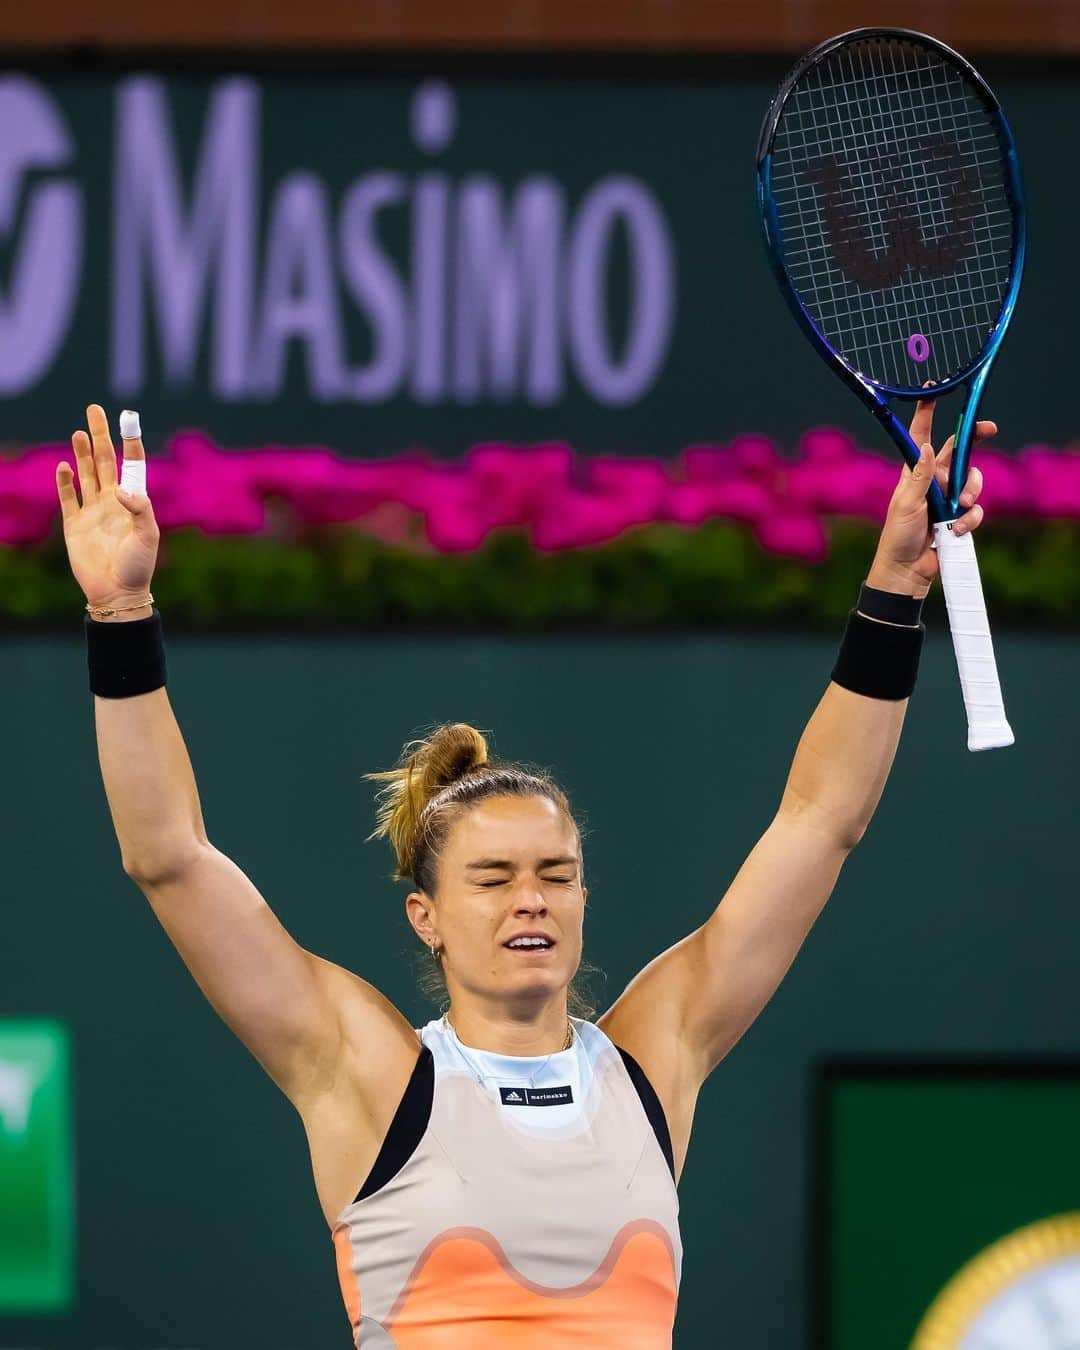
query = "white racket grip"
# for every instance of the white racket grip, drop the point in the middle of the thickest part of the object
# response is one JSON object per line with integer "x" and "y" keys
{"x": 987, "y": 726}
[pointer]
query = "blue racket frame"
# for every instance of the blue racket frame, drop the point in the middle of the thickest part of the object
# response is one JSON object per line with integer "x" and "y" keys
{"x": 941, "y": 507}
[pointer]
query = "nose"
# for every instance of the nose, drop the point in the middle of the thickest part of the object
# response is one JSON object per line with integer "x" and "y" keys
{"x": 530, "y": 899}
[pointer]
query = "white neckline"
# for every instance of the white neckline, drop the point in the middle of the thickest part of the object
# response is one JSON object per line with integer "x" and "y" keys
{"x": 509, "y": 1066}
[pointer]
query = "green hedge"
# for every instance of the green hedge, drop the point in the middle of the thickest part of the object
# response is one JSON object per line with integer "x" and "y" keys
{"x": 654, "y": 576}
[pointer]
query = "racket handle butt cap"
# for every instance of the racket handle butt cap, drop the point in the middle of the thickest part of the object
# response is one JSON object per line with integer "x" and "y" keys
{"x": 992, "y": 737}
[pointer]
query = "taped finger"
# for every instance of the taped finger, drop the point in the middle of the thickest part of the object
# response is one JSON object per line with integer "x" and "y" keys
{"x": 133, "y": 473}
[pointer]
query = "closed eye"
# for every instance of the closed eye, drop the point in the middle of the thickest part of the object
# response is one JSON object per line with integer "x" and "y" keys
{"x": 559, "y": 881}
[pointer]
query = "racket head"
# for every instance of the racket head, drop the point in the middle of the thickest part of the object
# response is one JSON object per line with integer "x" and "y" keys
{"x": 890, "y": 196}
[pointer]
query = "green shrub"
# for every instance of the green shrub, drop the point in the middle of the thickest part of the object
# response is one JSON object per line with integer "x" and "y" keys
{"x": 651, "y": 577}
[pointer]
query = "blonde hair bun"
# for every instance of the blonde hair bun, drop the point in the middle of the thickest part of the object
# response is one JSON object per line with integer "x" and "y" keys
{"x": 426, "y": 766}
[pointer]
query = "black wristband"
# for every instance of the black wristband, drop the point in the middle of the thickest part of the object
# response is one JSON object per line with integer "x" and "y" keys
{"x": 889, "y": 606}
{"x": 878, "y": 659}
{"x": 125, "y": 658}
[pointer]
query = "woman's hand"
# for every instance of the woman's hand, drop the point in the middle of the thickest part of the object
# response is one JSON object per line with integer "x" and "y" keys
{"x": 112, "y": 538}
{"x": 904, "y": 561}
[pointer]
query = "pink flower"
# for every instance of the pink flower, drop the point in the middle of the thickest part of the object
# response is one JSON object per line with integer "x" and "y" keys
{"x": 562, "y": 502}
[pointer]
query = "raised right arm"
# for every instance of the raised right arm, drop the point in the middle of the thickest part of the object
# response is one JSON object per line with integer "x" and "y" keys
{"x": 266, "y": 987}
{"x": 294, "y": 1011}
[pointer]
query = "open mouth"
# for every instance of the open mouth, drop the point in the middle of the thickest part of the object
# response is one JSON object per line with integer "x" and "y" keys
{"x": 531, "y": 950}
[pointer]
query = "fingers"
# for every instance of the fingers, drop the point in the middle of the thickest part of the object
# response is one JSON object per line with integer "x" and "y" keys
{"x": 84, "y": 458}
{"x": 104, "y": 454}
{"x": 971, "y": 521}
{"x": 137, "y": 503}
{"x": 133, "y": 448}
{"x": 65, "y": 490}
{"x": 139, "y": 507}
{"x": 941, "y": 465}
{"x": 922, "y": 474}
{"x": 972, "y": 487}
{"x": 922, "y": 424}
{"x": 133, "y": 472}
{"x": 983, "y": 430}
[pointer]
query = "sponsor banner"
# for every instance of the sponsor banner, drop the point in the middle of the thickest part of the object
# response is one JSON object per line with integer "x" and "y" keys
{"x": 239, "y": 241}
{"x": 382, "y": 264}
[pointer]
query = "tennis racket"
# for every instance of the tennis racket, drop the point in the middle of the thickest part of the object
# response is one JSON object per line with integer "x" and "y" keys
{"x": 894, "y": 217}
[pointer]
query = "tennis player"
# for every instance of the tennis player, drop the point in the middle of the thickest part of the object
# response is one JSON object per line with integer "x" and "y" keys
{"x": 505, "y": 1175}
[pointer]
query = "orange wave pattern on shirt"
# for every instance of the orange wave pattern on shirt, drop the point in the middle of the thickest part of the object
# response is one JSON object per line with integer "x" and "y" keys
{"x": 465, "y": 1280}
{"x": 349, "y": 1290}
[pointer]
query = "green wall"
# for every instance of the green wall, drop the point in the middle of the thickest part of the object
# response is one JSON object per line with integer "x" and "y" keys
{"x": 953, "y": 930}
{"x": 931, "y": 1167}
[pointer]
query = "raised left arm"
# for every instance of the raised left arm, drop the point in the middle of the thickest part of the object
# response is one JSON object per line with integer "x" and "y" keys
{"x": 698, "y": 998}
{"x": 738, "y": 957}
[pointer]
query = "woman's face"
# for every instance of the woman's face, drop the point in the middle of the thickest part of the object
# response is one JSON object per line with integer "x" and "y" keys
{"x": 510, "y": 865}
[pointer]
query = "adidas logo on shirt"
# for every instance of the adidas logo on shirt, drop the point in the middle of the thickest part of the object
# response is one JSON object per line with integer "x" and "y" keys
{"x": 548, "y": 1096}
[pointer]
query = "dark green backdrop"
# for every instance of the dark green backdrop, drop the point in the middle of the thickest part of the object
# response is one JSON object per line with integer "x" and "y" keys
{"x": 953, "y": 931}
{"x": 924, "y": 1168}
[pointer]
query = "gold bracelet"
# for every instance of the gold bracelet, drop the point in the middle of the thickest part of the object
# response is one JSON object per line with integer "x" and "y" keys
{"x": 104, "y": 613}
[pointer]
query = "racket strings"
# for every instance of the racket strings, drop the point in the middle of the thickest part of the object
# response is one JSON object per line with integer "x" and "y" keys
{"x": 889, "y": 175}
{"x": 894, "y": 252}
{"x": 891, "y": 198}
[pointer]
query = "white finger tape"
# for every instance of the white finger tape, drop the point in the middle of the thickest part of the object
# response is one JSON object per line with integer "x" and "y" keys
{"x": 130, "y": 430}
{"x": 133, "y": 477}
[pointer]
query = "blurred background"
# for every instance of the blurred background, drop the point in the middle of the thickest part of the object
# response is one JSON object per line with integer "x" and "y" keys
{"x": 468, "y": 395}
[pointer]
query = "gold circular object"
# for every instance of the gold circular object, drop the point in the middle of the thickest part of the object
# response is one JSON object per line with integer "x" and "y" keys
{"x": 994, "y": 1271}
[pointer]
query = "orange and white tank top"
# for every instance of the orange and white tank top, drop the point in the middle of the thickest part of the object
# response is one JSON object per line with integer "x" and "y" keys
{"x": 517, "y": 1202}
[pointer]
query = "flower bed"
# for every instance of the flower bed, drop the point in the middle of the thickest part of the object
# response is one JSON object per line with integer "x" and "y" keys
{"x": 530, "y": 539}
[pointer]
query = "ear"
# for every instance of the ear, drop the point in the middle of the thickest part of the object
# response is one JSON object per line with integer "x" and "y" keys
{"x": 419, "y": 911}
{"x": 585, "y": 895}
